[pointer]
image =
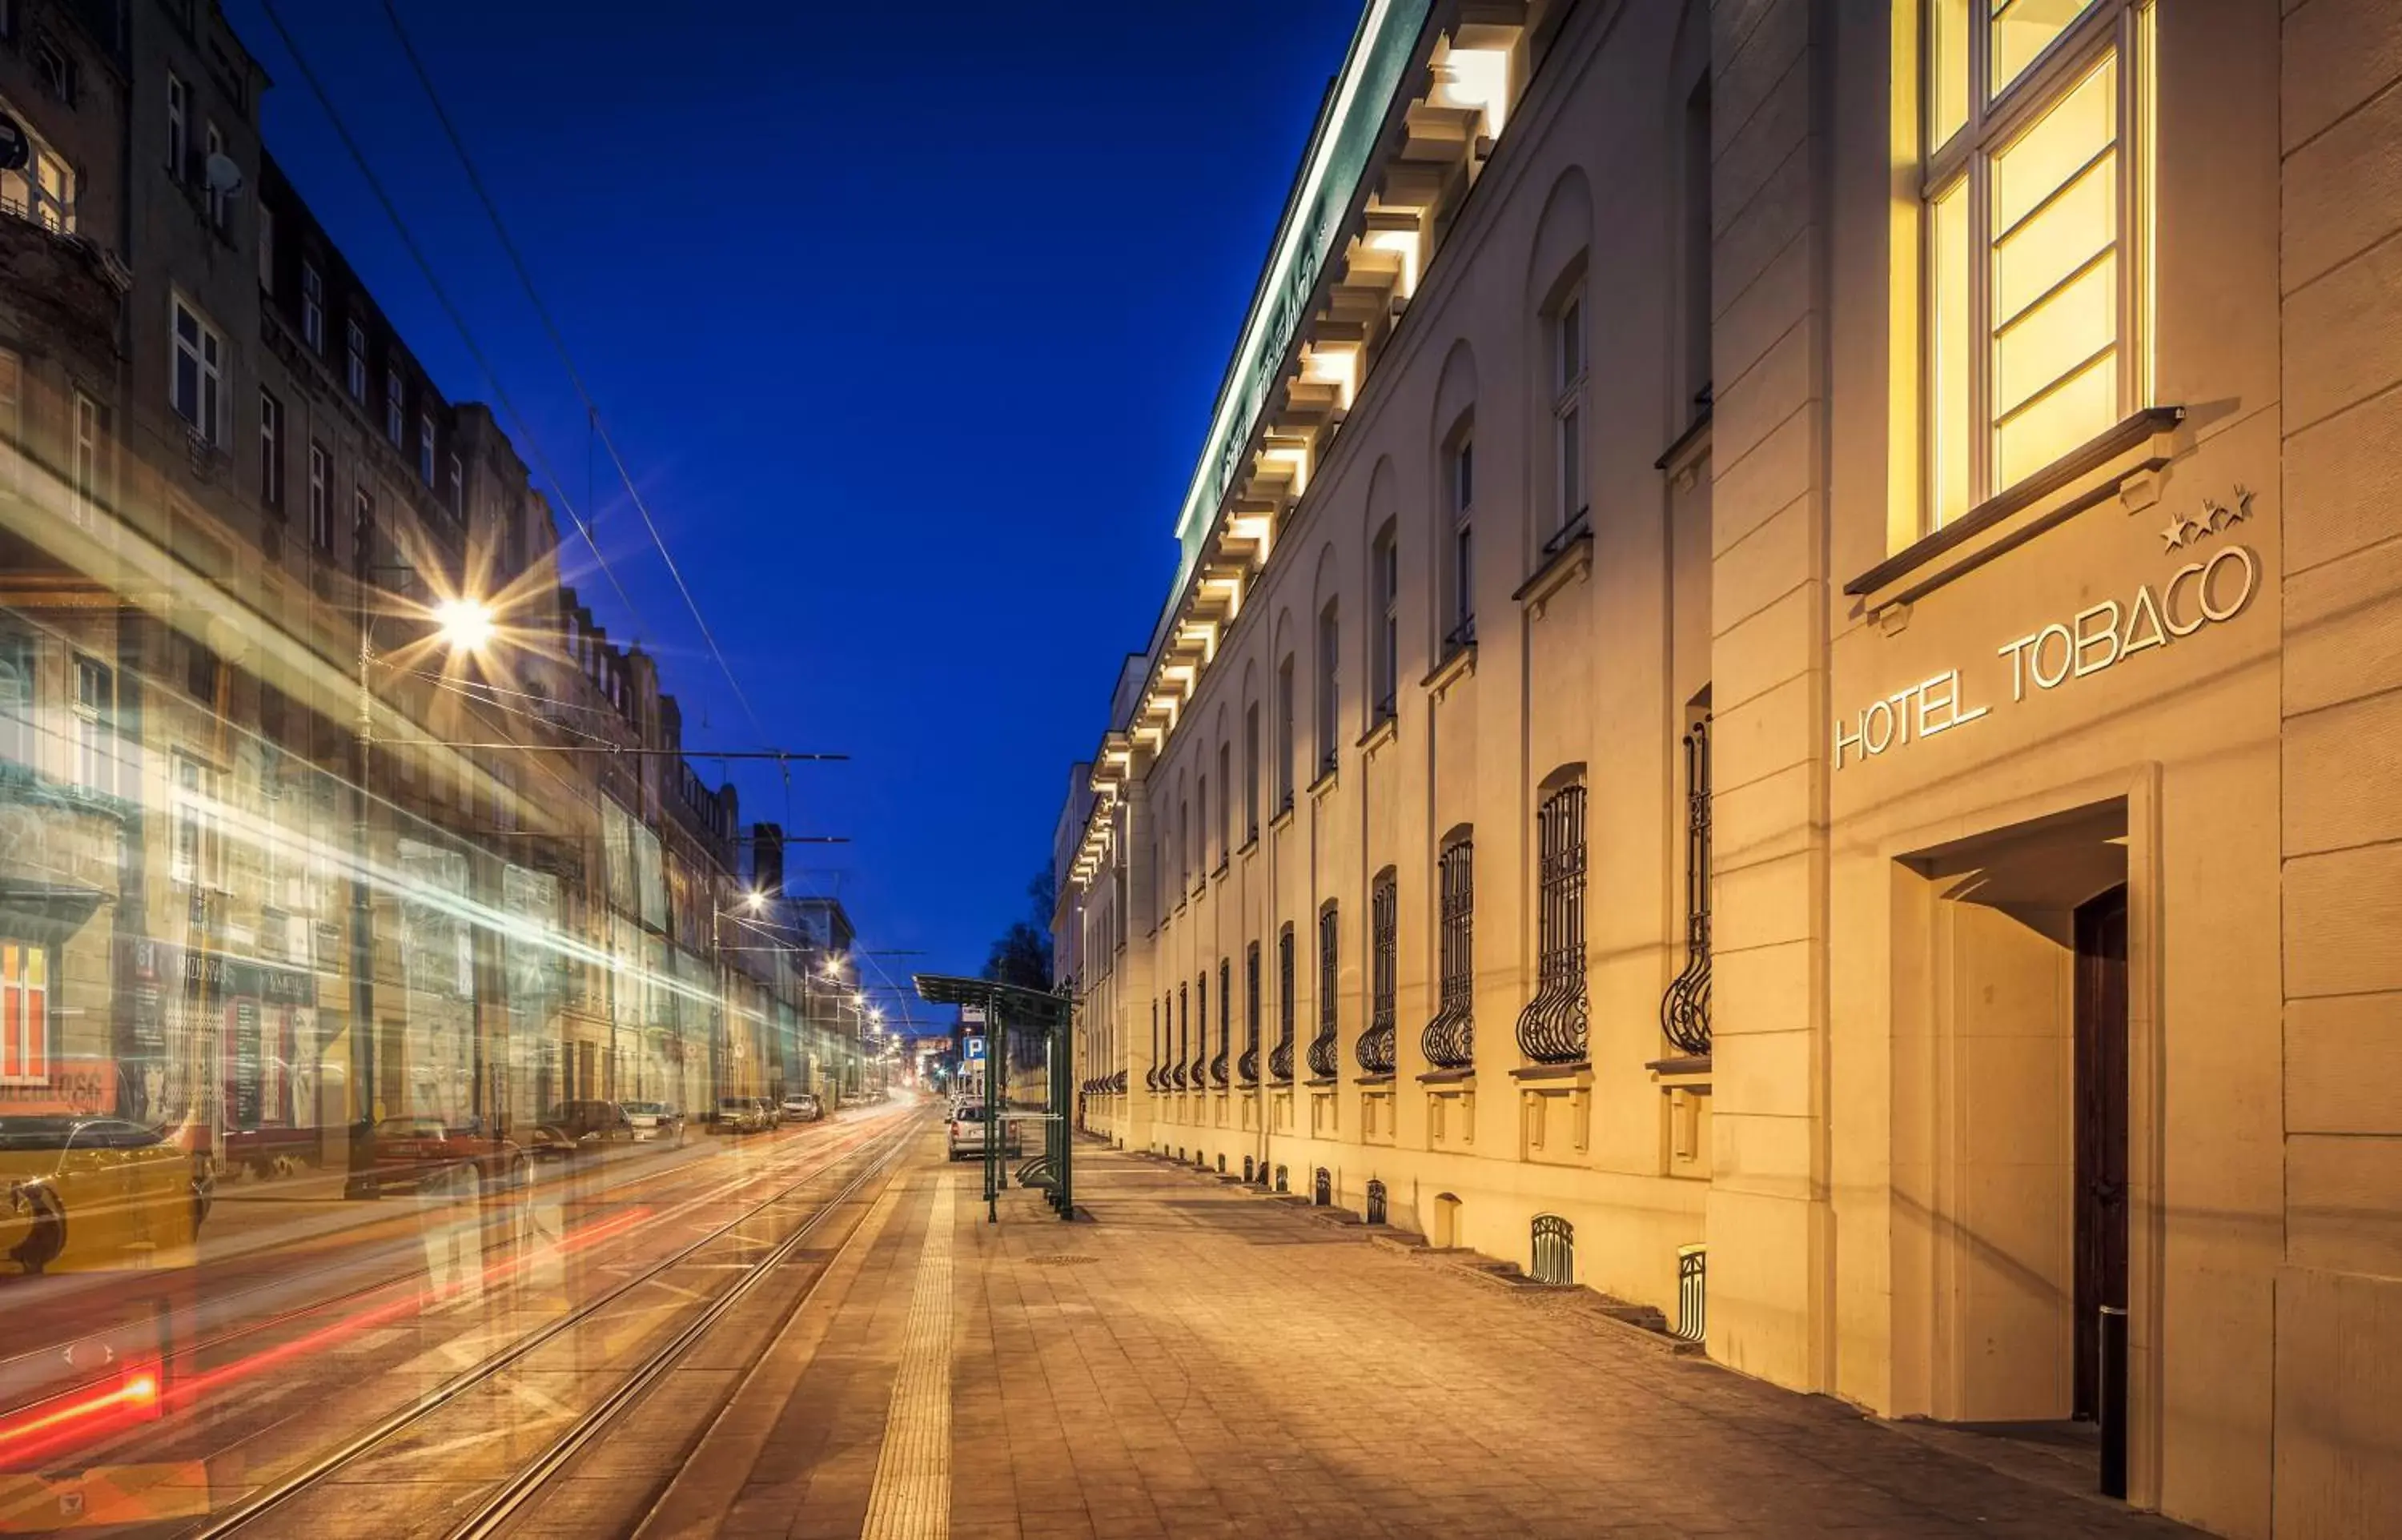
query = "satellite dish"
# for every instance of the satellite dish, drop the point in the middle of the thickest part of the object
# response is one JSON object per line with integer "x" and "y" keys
{"x": 224, "y": 176}
{"x": 16, "y": 149}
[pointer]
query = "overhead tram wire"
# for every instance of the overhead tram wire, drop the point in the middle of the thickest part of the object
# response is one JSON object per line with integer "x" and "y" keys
{"x": 558, "y": 344}
{"x": 442, "y": 297}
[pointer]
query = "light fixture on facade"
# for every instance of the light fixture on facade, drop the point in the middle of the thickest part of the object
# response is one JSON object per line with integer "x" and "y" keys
{"x": 1404, "y": 245}
{"x": 1478, "y": 79}
{"x": 1334, "y": 364}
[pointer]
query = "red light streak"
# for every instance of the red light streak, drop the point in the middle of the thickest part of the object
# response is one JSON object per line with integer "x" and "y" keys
{"x": 134, "y": 1397}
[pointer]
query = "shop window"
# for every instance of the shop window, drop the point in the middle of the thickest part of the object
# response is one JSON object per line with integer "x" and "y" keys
{"x": 2036, "y": 214}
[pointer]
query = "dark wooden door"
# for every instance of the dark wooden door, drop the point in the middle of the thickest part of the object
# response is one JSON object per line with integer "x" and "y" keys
{"x": 2101, "y": 1104}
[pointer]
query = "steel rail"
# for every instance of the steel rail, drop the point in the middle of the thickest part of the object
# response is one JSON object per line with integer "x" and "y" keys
{"x": 513, "y": 1497}
{"x": 269, "y": 1499}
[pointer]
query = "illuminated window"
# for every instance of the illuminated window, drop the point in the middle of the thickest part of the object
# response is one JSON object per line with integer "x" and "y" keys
{"x": 42, "y": 190}
{"x": 24, "y": 1014}
{"x": 2036, "y": 219}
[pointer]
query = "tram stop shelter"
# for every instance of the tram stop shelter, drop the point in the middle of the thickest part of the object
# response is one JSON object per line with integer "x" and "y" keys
{"x": 1028, "y": 1028}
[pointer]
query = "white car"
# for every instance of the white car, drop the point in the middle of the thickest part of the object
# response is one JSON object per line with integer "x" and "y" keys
{"x": 966, "y": 1133}
{"x": 655, "y": 1120}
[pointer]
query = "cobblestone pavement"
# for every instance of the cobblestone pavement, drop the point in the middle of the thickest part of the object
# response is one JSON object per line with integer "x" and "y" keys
{"x": 1202, "y": 1360}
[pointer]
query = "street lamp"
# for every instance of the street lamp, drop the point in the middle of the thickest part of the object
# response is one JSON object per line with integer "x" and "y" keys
{"x": 462, "y": 624}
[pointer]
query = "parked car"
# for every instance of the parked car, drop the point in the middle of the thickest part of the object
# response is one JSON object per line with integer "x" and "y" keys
{"x": 427, "y": 1154}
{"x": 739, "y": 1115}
{"x": 968, "y": 1136}
{"x": 656, "y": 1121}
{"x": 802, "y": 1108}
{"x": 81, "y": 1194}
{"x": 575, "y": 1128}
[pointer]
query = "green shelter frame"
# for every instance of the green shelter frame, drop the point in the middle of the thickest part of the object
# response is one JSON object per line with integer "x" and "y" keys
{"x": 1013, "y": 1008}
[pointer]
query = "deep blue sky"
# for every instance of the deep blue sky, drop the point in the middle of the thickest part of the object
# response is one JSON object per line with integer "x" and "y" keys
{"x": 909, "y": 334}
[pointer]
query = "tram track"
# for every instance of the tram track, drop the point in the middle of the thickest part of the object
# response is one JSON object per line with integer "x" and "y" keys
{"x": 294, "y": 1316}
{"x": 500, "y": 1502}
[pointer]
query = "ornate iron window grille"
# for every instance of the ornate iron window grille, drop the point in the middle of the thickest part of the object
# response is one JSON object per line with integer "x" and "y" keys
{"x": 1450, "y": 1039}
{"x": 1325, "y": 1049}
{"x": 1685, "y": 1009}
{"x": 1375, "y": 1211}
{"x": 1694, "y": 1292}
{"x": 1552, "y": 1027}
{"x": 1151, "y": 1075}
{"x": 1248, "y": 1065}
{"x": 1225, "y": 1023}
{"x": 1554, "y": 1250}
{"x": 1183, "y": 1035}
{"x": 1201, "y": 1034}
{"x": 1374, "y": 1049}
{"x": 1322, "y": 1188}
{"x": 1280, "y": 1056}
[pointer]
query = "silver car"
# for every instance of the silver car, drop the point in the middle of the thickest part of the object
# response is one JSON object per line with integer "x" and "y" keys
{"x": 966, "y": 1133}
{"x": 655, "y": 1120}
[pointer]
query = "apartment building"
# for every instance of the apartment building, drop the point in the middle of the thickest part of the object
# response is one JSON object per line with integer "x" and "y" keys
{"x": 280, "y": 858}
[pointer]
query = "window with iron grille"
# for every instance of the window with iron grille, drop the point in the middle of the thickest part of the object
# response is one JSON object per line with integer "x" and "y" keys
{"x": 1248, "y": 1067}
{"x": 1685, "y": 1009}
{"x": 1375, "y": 1048}
{"x": 1183, "y": 1035}
{"x": 1280, "y": 1057}
{"x": 1151, "y": 1075}
{"x": 1325, "y": 1054}
{"x": 1450, "y": 1039}
{"x": 1201, "y": 1032}
{"x": 1225, "y": 1023}
{"x": 1552, "y": 1027}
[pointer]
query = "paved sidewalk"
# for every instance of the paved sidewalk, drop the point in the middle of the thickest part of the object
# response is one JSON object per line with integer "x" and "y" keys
{"x": 1200, "y": 1360}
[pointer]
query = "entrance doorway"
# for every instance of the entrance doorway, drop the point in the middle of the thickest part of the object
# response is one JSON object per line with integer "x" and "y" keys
{"x": 2100, "y": 1079}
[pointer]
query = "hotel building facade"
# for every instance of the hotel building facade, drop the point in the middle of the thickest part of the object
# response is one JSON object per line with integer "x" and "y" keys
{"x": 1742, "y": 722}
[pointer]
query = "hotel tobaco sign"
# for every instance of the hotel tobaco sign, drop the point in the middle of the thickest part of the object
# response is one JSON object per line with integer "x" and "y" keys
{"x": 2211, "y": 588}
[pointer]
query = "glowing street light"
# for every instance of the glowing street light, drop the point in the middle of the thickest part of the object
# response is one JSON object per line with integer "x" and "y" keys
{"x": 465, "y": 625}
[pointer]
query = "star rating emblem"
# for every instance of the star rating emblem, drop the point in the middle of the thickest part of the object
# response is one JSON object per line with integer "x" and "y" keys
{"x": 2180, "y": 529}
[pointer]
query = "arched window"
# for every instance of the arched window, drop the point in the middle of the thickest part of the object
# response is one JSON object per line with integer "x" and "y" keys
{"x": 1285, "y": 746}
{"x": 1568, "y": 499}
{"x": 1384, "y": 619}
{"x": 1248, "y": 1067}
{"x": 1225, "y": 1023}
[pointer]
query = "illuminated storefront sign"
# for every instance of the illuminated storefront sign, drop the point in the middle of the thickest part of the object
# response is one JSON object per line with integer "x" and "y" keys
{"x": 2204, "y": 592}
